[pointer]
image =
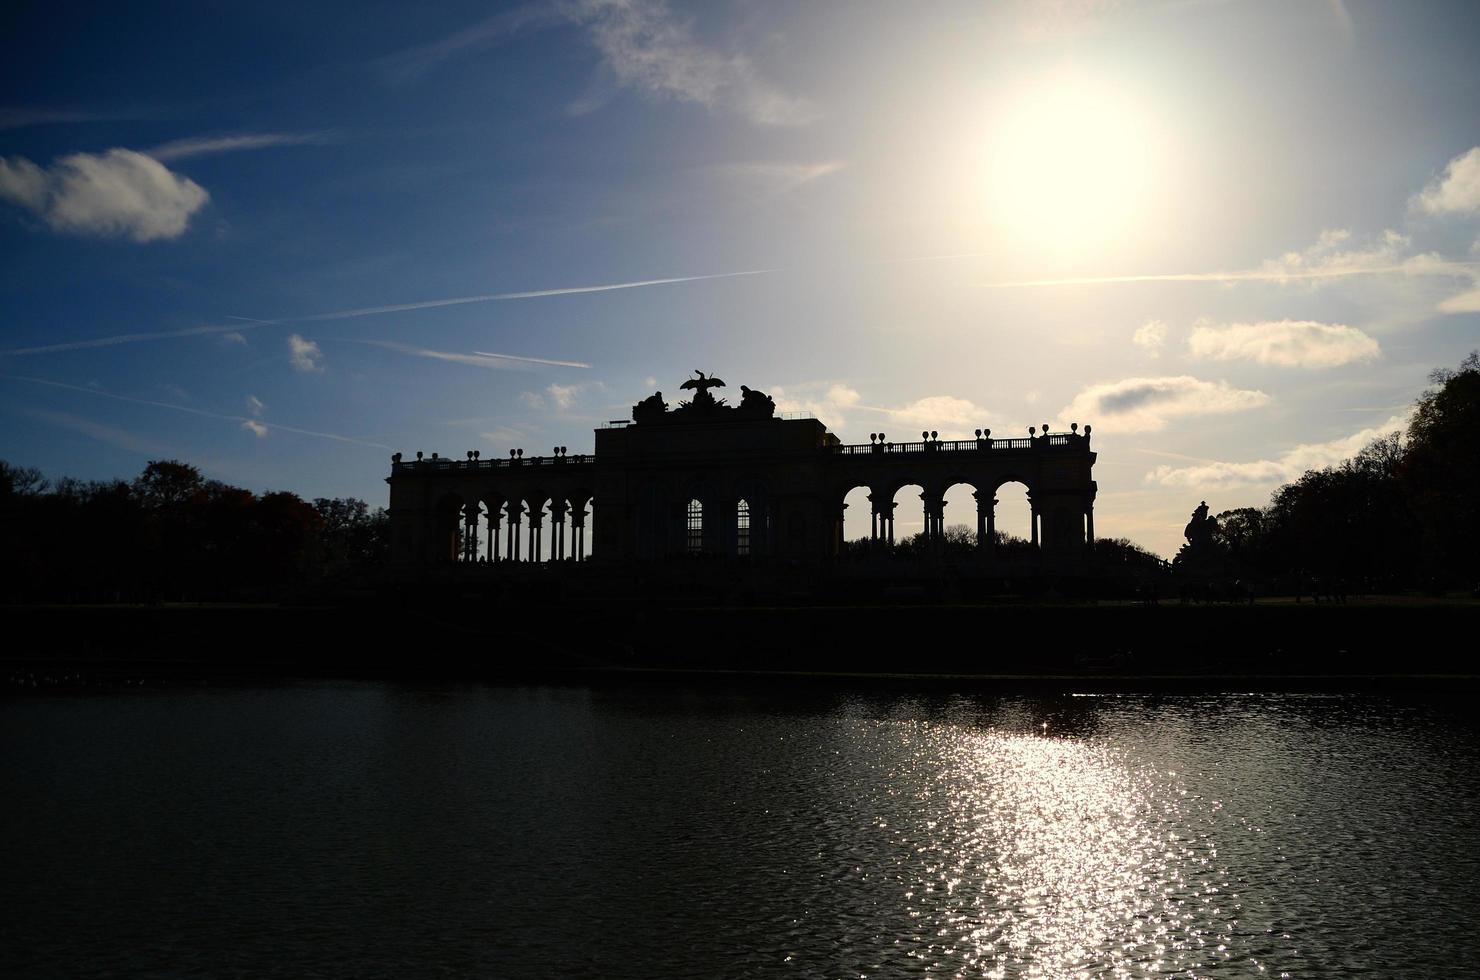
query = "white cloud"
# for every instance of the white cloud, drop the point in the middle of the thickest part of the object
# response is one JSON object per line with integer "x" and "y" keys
{"x": 648, "y": 49}
{"x": 650, "y": 382}
{"x": 644, "y": 46}
{"x": 833, "y": 403}
{"x": 952, "y": 417}
{"x": 1335, "y": 254}
{"x": 199, "y": 146}
{"x": 304, "y": 354}
{"x": 562, "y": 396}
{"x": 503, "y": 435}
{"x": 119, "y": 193}
{"x": 1150, "y": 336}
{"x": 1466, "y": 302}
{"x": 559, "y": 397}
{"x": 828, "y": 401}
{"x": 1284, "y": 343}
{"x": 1146, "y": 404}
{"x": 255, "y": 405}
{"x": 233, "y": 338}
{"x": 256, "y": 428}
{"x": 1288, "y": 466}
{"x": 1457, "y": 191}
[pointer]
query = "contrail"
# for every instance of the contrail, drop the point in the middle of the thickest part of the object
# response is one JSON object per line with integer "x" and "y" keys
{"x": 248, "y": 323}
{"x": 531, "y": 360}
{"x": 477, "y": 358}
{"x": 1247, "y": 275}
{"x": 194, "y": 411}
{"x": 130, "y": 338}
{"x": 495, "y": 297}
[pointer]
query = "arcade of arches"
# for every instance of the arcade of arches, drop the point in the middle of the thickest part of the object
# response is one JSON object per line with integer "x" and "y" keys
{"x": 708, "y": 480}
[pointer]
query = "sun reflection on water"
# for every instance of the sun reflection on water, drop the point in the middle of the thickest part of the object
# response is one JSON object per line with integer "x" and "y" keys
{"x": 1046, "y": 857}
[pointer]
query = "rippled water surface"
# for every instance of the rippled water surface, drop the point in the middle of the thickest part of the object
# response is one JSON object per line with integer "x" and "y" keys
{"x": 379, "y": 830}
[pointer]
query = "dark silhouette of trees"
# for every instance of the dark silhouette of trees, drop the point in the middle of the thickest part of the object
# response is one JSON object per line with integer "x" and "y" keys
{"x": 351, "y": 533}
{"x": 1442, "y": 466}
{"x": 1404, "y": 512}
{"x": 172, "y": 534}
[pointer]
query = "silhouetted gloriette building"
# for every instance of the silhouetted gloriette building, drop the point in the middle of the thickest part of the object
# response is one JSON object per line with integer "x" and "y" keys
{"x": 738, "y": 482}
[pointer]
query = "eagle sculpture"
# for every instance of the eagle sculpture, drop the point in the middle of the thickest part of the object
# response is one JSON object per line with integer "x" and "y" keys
{"x": 703, "y": 383}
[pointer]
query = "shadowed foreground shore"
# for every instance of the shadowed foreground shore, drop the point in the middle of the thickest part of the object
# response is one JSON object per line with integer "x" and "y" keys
{"x": 1274, "y": 644}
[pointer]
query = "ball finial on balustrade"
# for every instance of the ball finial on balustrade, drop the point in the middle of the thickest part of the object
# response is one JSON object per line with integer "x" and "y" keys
{"x": 1032, "y": 432}
{"x": 934, "y": 434}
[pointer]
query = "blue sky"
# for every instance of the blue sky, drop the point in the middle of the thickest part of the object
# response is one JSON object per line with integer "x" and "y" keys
{"x": 1234, "y": 237}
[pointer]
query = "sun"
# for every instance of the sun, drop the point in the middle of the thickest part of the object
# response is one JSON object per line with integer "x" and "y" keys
{"x": 1070, "y": 166}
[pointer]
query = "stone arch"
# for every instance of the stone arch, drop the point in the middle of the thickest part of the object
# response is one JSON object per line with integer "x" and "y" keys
{"x": 859, "y": 527}
{"x": 959, "y": 494}
{"x": 907, "y": 499}
{"x": 1014, "y": 515}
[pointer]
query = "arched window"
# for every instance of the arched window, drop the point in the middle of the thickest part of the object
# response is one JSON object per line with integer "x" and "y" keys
{"x": 742, "y": 528}
{"x": 694, "y": 540}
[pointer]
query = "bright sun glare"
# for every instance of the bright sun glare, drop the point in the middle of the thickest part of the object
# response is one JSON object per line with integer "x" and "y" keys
{"x": 1070, "y": 164}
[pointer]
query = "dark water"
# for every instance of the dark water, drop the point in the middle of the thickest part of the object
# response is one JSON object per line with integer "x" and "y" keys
{"x": 384, "y": 830}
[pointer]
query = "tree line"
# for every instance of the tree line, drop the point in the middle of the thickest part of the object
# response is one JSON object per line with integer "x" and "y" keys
{"x": 171, "y": 534}
{"x": 1403, "y": 513}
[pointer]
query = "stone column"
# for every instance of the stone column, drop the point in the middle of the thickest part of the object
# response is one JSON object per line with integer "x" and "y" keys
{"x": 578, "y": 520}
{"x": 982, "y": 510}
{"x": 934, "y": 517}
{"x": 516, "y": 511}
{"x": 470, "y": 532}
{"x": 534, "y": 533}
{"x": 557, "y": 539}
{"x": 1033, "y": 508}
{"x": 1089, "y": 525}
